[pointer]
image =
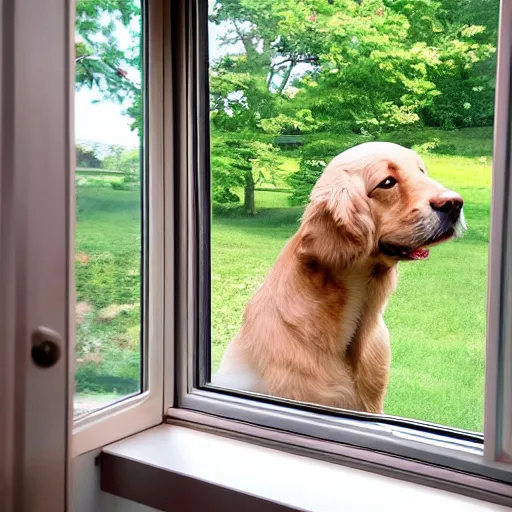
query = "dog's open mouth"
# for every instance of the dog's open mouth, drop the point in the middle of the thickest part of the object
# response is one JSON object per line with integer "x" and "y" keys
{"x": 415, "y": 253}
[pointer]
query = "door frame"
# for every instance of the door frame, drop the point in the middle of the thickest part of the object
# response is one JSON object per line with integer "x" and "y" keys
{"x": 36, "y": 135}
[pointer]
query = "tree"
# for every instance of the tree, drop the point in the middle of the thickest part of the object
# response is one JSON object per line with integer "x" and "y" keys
{"x": 381, "y": 66}
{"x": 250, "y": 85}
{"x": 465, "y": 34}
{"x": 240, "y": 163}
{"x": 296, "y": 66}
{"x": 86, "y": 158}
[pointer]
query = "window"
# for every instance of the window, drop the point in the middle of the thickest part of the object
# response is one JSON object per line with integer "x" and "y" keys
{"x": 118, "y": 235}
{"x": 290, "y": 90}
{"x": 269, "y": 77}
{"x": 110, "y": 176}
{"x": 238, "y": 127}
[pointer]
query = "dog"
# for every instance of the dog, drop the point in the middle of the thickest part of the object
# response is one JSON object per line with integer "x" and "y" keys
{"x": 314, "y": 331}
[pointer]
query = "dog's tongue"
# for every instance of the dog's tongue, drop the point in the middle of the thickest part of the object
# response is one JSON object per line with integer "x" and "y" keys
{"x": 419, "y": 254}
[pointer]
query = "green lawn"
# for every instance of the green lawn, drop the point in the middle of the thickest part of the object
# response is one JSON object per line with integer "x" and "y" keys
{"x": 436, "y": 317}
{"x": 107, "y": 272}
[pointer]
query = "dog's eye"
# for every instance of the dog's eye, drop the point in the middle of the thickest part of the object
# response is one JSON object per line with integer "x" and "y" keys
{"x": 389, "y": 182}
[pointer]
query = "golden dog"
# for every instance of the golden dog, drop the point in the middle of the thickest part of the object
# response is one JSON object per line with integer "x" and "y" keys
{"x": 314, "y": 331}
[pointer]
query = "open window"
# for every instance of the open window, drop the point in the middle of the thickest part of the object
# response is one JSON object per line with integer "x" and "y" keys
{"x": 242, "y": 106}
{"x": 287, "y": 87}
{"x": 118, "y": 230}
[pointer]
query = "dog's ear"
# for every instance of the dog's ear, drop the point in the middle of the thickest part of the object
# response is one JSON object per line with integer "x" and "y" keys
{"x": 338, "y": 220}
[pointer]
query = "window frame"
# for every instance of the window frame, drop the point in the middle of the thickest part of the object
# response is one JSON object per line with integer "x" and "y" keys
{"x": 453, "y": 450}
{"x": 145, "y": 409}
{"x": 498, "y": 357}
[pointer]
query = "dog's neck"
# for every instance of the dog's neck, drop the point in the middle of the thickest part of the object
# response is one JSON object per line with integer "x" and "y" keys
{"x": 341, "y": 300}
{"x": 368, "y": 286}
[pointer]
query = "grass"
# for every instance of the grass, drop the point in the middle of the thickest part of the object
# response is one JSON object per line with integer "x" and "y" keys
{"x": 436, "y": 318}
{"x": 107, "y": 269}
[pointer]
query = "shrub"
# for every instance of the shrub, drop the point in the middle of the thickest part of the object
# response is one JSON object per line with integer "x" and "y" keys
{"x": 129, "y": 162}
{"x": 406, "y": 138}
{"x": 107, "y": 358}
{"x": 224, "y": 196}
{"x": 322, "y": 150}
{"x": 124, "y": 378}
{"x": 126, "y": 184}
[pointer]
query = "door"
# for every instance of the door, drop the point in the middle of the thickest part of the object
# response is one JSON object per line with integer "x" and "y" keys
{"x": 35, "y": 184}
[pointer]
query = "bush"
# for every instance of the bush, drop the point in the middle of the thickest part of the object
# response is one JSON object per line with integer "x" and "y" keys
{"x": 91, "y": 182}
{"x": 224, "y": 196}
{"x": 118, "y": 373}
{"x": 86, "y": 158}
{"x": 233, "y": 210}
{"x": 462, "y": 103}
{"x": 406, "y": 138}
{"x": 128, "y": 162}
{"x": 109, "y": 278}
{"x": 303, "y": 181}
{"x": 125, "y": 184}
{"x": 322, "y": 150}
{"x": 107, "y": 352}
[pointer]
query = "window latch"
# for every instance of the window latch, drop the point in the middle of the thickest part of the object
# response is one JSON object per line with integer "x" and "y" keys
{"x": 45, "y": 347}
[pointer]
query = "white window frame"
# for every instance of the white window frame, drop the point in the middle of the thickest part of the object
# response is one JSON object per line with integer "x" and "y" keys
{"x": 232, "y": 411}
{"x": 146, "y": 409}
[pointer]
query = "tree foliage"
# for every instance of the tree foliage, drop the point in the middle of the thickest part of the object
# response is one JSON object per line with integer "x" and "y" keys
{"x": 371, "y": 66}
{"x": 87, "y": 158}
{"x": 300, "y": 66}
{"x": 239, "y": 163}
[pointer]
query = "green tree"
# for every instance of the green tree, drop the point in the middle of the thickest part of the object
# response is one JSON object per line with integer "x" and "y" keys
{"x": 250, "y": 85}
{"x": 86, "y": 157}
{"x": 380, "y": 65}
{"x": 464, "y": 34}
{"x": 240, "y": 163}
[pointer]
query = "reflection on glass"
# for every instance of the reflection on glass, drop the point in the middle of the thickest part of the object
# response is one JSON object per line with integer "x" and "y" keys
{"x": 108, "y": 237}
{"x": 292, "y": 85}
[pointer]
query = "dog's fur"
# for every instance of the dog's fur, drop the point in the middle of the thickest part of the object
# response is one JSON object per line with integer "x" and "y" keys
{"x": 314, "y": 331}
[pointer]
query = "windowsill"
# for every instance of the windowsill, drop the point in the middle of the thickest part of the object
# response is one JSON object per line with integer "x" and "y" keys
{"x": 176, "y": 468}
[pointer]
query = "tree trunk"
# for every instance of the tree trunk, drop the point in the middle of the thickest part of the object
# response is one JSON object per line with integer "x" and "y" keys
{"x": 249, "y": 204}
{"x": 286, "y": 77}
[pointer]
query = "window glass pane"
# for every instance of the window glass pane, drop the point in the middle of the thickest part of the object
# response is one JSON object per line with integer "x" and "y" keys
{"x": 298, "y": 291}
{"x": 108, "y": 237}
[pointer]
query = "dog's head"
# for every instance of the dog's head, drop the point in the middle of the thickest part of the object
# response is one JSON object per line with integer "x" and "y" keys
{"x": 376, "y": 200}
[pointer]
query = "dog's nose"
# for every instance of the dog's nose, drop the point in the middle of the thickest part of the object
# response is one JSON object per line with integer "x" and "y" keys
{"x": 448, "y": 202}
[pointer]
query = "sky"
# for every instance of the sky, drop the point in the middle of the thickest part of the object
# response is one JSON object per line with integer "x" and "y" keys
{"x": 101, "y": 122}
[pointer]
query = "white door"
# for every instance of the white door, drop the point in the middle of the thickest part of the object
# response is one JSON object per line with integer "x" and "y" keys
{"x": 35, "y": 180}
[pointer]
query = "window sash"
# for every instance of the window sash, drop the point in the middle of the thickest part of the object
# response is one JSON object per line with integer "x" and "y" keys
{"x": 408, "y": 439}
{"x": 146, "y": 409}
{"x": 498, "y": 372}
